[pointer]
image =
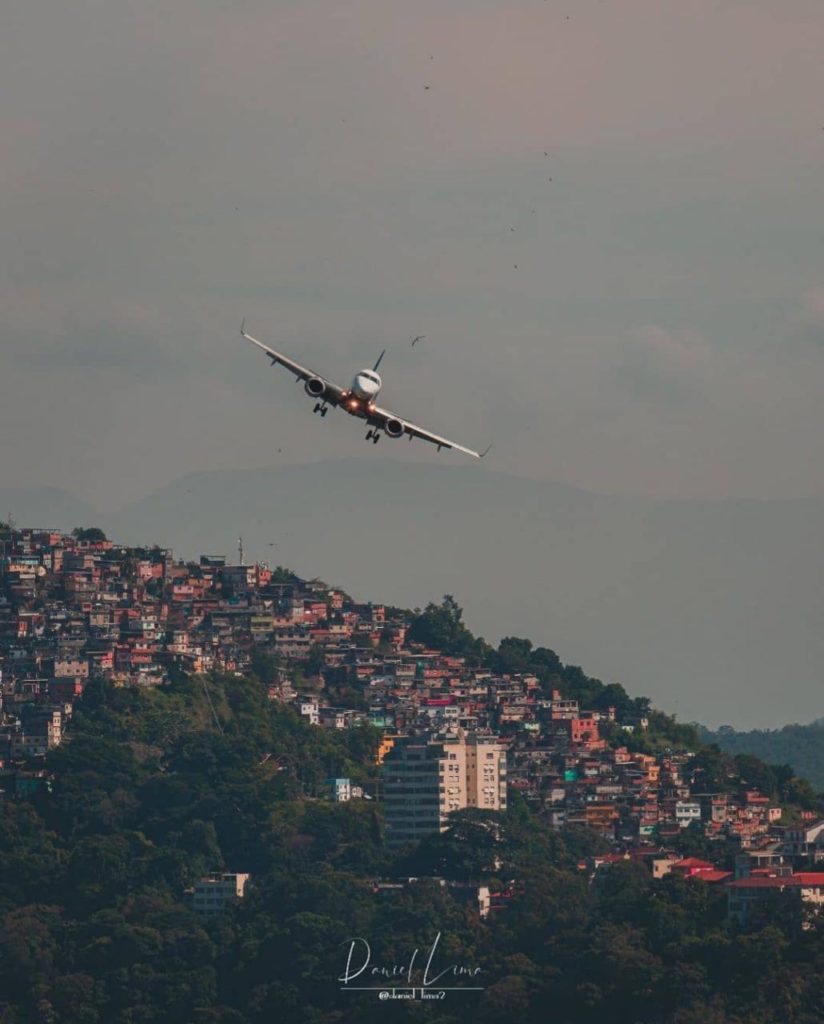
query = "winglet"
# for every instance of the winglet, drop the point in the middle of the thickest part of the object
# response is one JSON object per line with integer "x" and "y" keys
{"x": 243, "y": 327}
{"x": 486, "y": 451}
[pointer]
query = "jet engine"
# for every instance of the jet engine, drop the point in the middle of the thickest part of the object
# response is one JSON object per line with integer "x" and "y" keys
{"x": 315, "y": 387}
{"x": 394, "y": 428}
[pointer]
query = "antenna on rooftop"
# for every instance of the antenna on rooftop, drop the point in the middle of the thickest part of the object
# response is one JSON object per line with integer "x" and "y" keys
{"x": 240, "y": 550}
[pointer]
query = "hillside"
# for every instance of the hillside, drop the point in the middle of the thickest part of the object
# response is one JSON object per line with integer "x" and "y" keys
{"x": 157, "y": 787}
{"x": 703, "y": 606}
{"x": 161, "y": 778}
{"x": 700, "y": 605}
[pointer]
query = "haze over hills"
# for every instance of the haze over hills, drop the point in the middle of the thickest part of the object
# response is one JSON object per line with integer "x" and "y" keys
{"x": 44, "y": 506}
{"x": 712, "y": 609}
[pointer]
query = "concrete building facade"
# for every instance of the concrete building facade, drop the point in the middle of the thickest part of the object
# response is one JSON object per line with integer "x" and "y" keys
{"x": 425, "y": 780}
{"x": 213, "y": 894}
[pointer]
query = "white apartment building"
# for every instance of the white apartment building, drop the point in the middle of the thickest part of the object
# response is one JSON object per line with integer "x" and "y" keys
{"x": 686, "y": 812}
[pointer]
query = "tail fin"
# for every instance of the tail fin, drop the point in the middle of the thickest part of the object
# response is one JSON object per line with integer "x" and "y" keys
{"x": 378, "y": 363}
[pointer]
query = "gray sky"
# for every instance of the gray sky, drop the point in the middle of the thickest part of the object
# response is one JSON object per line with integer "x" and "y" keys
{"x": 350, "y": 175}
{"x": 606, "y": 216}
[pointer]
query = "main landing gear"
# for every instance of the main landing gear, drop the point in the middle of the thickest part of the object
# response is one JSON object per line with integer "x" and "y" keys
{"x": 321, "y": 407}
{"x": 373, "y": 436}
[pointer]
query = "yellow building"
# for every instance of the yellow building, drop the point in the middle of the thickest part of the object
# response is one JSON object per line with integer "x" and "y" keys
{"x": 386, "y": 744}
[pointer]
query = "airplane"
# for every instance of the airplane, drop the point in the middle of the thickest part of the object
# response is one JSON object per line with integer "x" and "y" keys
{"x": 359, "y": 400}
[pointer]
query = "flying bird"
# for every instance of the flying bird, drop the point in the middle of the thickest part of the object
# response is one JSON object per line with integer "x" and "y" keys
{"x": 415, "y": 341}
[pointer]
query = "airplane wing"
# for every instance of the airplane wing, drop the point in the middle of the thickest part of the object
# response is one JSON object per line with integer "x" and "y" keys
{"x": 380, "y": 417}
{"x": 333, "y": 393}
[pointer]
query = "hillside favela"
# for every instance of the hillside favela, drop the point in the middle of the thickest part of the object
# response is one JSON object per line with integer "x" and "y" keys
{"x": 231, "y": 795}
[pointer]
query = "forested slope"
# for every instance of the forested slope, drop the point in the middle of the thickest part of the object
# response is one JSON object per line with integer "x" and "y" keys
{"x": 801, "y": 746}
{"x": 155, "y": 788}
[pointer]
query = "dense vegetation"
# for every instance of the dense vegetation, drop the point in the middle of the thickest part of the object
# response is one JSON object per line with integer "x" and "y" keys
{"x": 441, "y": 627}
{"x": 801, "y": 746}
{"x": 158, "y": 787}
{"x": 93, "y": 534}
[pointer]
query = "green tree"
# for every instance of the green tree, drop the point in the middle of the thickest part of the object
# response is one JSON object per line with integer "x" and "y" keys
{"x": 315, "y": 660}
{"x": 92, "y": 534}
{"x": 441, "y": 626}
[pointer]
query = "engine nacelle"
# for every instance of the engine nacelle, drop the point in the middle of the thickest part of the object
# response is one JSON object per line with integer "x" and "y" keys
{"x": 394, "y": 428}
{"x": 315, "y": 387}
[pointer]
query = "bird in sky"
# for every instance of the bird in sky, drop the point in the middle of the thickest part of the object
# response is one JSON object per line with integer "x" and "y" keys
{"x": 415, "y": 341}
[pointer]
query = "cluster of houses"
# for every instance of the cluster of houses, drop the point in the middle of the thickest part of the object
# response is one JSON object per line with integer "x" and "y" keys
{"x": 75, "y": 607}
{"x": 767, "y": 875}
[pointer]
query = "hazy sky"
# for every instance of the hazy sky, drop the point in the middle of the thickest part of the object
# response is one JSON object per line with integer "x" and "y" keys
{"x": 348, "y": 175}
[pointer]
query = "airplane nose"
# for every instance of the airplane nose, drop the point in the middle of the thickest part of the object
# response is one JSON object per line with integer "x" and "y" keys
{"x": 364, "y": 386}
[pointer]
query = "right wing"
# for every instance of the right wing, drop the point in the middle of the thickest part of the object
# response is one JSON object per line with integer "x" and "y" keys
{"x": 380, "y": 417}
{"x": 333, "y": 393}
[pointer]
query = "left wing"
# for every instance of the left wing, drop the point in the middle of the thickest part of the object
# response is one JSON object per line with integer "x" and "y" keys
{"x": 380, "y": 417}
{"x": 333, "y": 393}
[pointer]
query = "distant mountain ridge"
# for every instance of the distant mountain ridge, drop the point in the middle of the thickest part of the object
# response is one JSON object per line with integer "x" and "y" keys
{"x": 49, "y": 507}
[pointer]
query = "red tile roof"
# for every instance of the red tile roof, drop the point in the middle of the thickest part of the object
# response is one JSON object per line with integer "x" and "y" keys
{"x": 804, "y": 879}
{"x": 711, "y": 876}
